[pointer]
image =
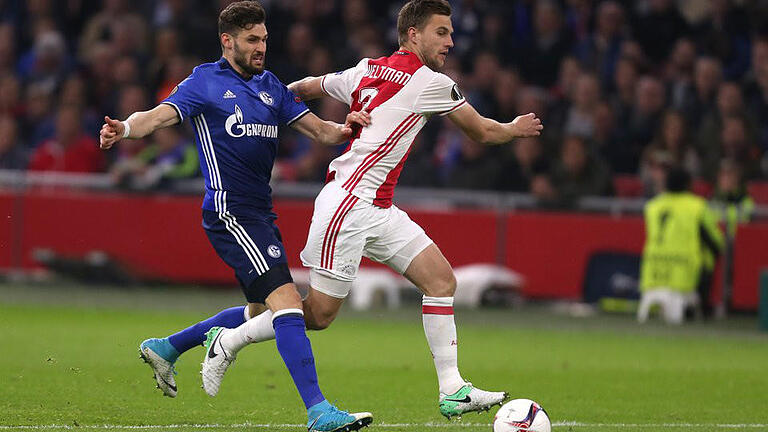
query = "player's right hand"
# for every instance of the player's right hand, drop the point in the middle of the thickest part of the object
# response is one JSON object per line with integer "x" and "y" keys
{"x": 527, "y": 125}
{"x": 111, "y": 132}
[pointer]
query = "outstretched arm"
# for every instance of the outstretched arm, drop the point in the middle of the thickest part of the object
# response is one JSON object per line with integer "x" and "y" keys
{"x": 308, "y": 88}
{"x": 330, "y": 133}
{"x": 140, "y": 124}
{"x": 489, "y": 131}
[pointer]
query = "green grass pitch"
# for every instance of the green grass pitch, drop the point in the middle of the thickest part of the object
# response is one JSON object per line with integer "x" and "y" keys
{"x": 69, "y": 361}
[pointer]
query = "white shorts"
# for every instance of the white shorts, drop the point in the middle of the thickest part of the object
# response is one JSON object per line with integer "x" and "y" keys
{"x": 345, "y": 228}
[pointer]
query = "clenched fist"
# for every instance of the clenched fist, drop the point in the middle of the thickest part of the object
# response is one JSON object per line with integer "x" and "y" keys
{"x": 527, "y": 125}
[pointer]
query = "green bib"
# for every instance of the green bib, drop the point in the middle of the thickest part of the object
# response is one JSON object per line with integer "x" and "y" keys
{"x": 674, "y": 249}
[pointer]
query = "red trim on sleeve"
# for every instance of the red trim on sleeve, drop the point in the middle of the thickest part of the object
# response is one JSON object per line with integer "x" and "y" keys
{"x": 454, "y": 108}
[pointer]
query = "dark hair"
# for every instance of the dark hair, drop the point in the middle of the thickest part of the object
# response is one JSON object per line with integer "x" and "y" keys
{"x": 678, "y": 180}
{"x": 241, "y": 15}
{"x": 415, "y": 13}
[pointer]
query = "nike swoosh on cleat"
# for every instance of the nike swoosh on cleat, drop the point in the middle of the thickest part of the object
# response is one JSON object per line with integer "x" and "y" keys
{"x": 313, "y": 423}
{"x": 211, "y": 352}
{"x": 465, "y": 400}
{"x": 172, "y": 387}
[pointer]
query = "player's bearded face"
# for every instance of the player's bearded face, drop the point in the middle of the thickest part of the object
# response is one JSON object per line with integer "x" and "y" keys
{"x": 436, "y": 41}
{"x": 250, "y": 48}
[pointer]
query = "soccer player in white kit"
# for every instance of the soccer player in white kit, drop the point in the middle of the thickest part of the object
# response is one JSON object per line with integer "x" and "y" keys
{"x": 354, "y": 215}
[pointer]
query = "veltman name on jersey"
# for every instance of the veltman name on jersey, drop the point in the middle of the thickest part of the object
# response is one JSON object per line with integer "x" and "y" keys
{"x": 235, "y": 127}
{"x": 387, "y": 74}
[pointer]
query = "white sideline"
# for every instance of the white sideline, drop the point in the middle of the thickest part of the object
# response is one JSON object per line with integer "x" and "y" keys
{"x": 384, "y": 425}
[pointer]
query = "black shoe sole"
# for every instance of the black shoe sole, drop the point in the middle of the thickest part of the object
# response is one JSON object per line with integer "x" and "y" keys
{"x": 357, "y": 425}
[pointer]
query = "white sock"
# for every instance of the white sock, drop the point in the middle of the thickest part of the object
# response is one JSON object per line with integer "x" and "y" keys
{"x": 256, "y": 329}
{"x": 437, "y": 315}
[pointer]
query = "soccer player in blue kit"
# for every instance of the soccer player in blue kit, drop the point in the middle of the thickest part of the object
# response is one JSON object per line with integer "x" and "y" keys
{"x": 236, "y": 107}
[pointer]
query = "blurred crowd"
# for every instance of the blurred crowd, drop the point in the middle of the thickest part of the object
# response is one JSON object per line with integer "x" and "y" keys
{"x": 624, "y": 88}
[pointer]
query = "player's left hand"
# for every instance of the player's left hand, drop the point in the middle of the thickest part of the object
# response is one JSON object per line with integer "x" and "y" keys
{"x": 111, "y": 132}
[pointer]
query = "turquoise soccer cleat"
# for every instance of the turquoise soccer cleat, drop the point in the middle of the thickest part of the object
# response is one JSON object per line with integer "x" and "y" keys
{"x": 332, "y": 419}
{"x": 160, "y": 355}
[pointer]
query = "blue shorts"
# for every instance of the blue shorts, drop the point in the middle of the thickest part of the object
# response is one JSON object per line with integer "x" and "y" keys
{"x": 251, "y": 244}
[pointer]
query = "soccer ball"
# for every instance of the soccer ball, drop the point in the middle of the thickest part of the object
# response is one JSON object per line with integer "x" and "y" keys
{"x": 521, "y": 415}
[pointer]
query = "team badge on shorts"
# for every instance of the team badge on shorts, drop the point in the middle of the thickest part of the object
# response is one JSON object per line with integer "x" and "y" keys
{"x": 348, "y": 269}
{"x": 266, "y": 98}
{"x": 273, "y": 251}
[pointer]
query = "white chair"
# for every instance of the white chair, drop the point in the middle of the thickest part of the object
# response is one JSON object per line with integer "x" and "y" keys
{"x": 371, "y": 281}
{"x": 673, "y": 304}
{"x": 367, "y": 284}
{"x": 475, "y": 279}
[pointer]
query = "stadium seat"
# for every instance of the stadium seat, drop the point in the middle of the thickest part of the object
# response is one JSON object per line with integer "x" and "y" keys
{"x": 702, "y": 188}
{"x": 627, "y": 186}
{"x": 758, "y": 190}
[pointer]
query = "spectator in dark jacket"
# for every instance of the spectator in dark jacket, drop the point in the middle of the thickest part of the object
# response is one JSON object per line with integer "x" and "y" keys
{"x": 12, "y": 155}
{"x": 579, "y": 173}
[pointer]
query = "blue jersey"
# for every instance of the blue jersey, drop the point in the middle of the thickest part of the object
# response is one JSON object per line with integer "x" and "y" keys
{"x": 237, "y": 126}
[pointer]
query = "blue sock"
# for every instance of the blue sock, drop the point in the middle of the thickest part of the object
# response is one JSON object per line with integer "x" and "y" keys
{"x": 194, "y": 335}
{"x": 296, "y": 351}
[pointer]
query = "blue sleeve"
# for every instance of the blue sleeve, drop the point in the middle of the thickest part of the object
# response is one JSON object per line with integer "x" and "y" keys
{"x": 291, "y": 107}
{"x": 189, "y": 97}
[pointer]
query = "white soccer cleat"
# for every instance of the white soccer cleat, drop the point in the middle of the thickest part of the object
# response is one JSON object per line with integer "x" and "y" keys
{"x": 161, "y": 368}
{"x": 216, "y": 362}
{"x": 468, "y": 399}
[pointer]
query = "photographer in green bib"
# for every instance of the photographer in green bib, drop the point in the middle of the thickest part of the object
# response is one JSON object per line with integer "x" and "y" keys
{"x": 731, "y": 202}
{"x": 680, "y": 231}
{"x": 732, "y": 206}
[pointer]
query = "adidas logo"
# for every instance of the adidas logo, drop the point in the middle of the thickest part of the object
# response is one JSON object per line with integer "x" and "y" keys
{"x": 229, "y": 95}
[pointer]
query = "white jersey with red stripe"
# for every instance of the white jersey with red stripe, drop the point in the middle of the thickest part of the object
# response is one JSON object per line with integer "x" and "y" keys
{"x": 400, "y": 93}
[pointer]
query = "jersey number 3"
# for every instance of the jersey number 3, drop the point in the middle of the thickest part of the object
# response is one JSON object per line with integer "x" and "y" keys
{"x": 366, "y": 96}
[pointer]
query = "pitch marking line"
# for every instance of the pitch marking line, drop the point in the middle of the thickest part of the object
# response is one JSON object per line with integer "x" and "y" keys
{"x": 383, "y": 425}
